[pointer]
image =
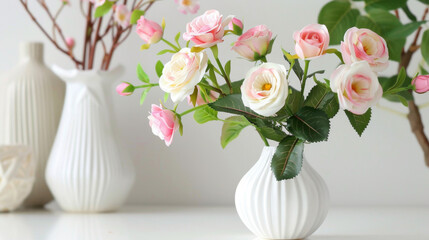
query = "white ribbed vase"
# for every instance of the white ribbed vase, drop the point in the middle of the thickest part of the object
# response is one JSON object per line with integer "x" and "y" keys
{"x": 31, "y": 100}
{"x": 289, "y": 209}
{"x": 86, "y": 171}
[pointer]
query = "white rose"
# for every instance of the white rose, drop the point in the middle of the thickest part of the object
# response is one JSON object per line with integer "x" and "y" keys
{"x": 357, "y": 87}
{"x": 182, "y": 73}
{"x": 265, "y": 88}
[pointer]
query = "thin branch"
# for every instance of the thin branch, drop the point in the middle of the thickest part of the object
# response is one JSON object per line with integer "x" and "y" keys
{"x": 24, "y": 4}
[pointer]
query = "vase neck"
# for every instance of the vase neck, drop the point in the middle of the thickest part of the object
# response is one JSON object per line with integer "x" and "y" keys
{"x": 31, "y": 51}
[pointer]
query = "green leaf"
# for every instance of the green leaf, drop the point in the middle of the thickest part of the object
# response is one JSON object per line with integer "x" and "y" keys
{"x": 233, "y": 104}
{"x": 366, "y": 22}
{"x": 144, "y": 94}
{"x": 270, "y": 45}
{"x": 321, "y": 97}
{"x": 294, "y": 63}
{"x": 384, "y": 4}
{"x": 424, "y": 1}
{"x": 309, "y": 124}
{"x": 287, "y": 160}
{"x": 205, "y": 114}
{"x": 359, "y": 122}
{"x": 388, "y": 83}
{"x": 103, "y": 9}
{"x": 194, "y": 96}
{"x": 272, "y": 133}
{"x": 400, "y": 79}
{"x": 332, "y": 106}
{"x": 159, "y": 67}
{"x": 235, "y": 86}
{"x": 166, "y": 96}
{"x": 338, "y": 16}
{"x": 294, "y": 100}
{"x": 404, "y": 31}
{"x": 162, "y": 52}
{"x": 136, "y": 15}
{"x": 228, "y": 68}
{"x": 231, "y": 129}
{"x": 141, "y": 74}
{"x": 425, "y": 46}
{"x": 237, "y": 30}
{"x": 409, "y": 14}
{"x": 176, "y": 38}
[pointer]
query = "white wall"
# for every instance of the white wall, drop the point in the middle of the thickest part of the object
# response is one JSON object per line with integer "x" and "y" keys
{"x": 384, "y": 167}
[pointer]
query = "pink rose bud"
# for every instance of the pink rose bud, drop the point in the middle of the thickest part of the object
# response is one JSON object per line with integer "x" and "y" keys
{"x": 150, "y": 31}
{"x": 312, "y": 41}
{"x": 206, "y": 30}
{"x": 254, "y": 43}
{"x": 421, "y": 83}
{"x": 238, "y": 26}
{"x": 164, "y": 123}
{"x": 125, "y": 89}
{"x": 200, "y": 101}
{"x": 122, "y": 15}
{"x": 364, "y": 44}
{"x": 70, "y": 42}
{"x": 188, "y": 6}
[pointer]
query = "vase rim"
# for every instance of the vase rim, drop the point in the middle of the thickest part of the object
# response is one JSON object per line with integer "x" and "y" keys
{"x": 69, "y": 75}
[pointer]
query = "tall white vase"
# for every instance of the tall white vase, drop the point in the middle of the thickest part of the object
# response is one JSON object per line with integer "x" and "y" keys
{"x": 31, "y": 100}
{"x": 289, "y": 209}
{"x": 86, "y": 171}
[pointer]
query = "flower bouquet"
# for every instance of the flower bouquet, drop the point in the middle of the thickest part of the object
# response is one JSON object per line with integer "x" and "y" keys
{"x": 264, "y": 99}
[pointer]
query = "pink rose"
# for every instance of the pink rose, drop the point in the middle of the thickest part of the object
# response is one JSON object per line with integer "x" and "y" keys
{"x": 120, "y": 89}
{"x": 421, "y": 83}
{"x": 364, "y": 44}
{"x": 200, "y": 101}
{"x": 206, "y": 30}
{"x": 122, "y": 15}
{"x": 164, "y": 123}
{"x": 235, "y": 22}
{"x": 151, "y": 32}
{"x": 98, "y": 3}
{"x": 253, "y": 43}
{"x": 312, "y": 41}
{"x": 70, "y": 42}
{"x": 357, "y": 87}
{"x": 185, "y": 6}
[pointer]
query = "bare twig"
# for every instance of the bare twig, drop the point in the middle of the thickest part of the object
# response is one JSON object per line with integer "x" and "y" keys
{"x": 65, "y": 51}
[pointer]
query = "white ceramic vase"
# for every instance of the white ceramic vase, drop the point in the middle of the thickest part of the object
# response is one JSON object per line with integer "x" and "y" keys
{"x": 31, "y": 100}
{"x": 17, "y": 174}
{"x": 289, "y": 209}
{"x": 86, "y": 171}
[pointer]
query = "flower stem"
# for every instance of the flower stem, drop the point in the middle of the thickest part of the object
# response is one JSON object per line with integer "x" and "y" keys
{"x": 191, "y": 110}
{"x": 147, "y": 85}
{"x": 304, "y": 79}
{"x": 227, "y": 80}
{"x": 211, "y": 88}
{"x": 170, "y": 44}
{"x": 263, "y": 138}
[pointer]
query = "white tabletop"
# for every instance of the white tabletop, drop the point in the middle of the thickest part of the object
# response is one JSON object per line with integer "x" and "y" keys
{"x": 201, "y": 223}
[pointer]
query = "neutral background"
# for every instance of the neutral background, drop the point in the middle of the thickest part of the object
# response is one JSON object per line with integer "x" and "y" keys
{"x": 383, "y": 167}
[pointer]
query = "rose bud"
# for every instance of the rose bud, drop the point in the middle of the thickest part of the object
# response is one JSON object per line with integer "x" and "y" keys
{"x": 236, "y": 26}
{"x": 150, "y": 31}
{"x": 125, "y": 89}
{"x": 70, "y": 42}
{"x": 312, "y": 41}
{"x": 206, "y": 30}
{"x": 421, "y": 83}
{"x": 254, "y": 43}
{"x": 164, "y": 123}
